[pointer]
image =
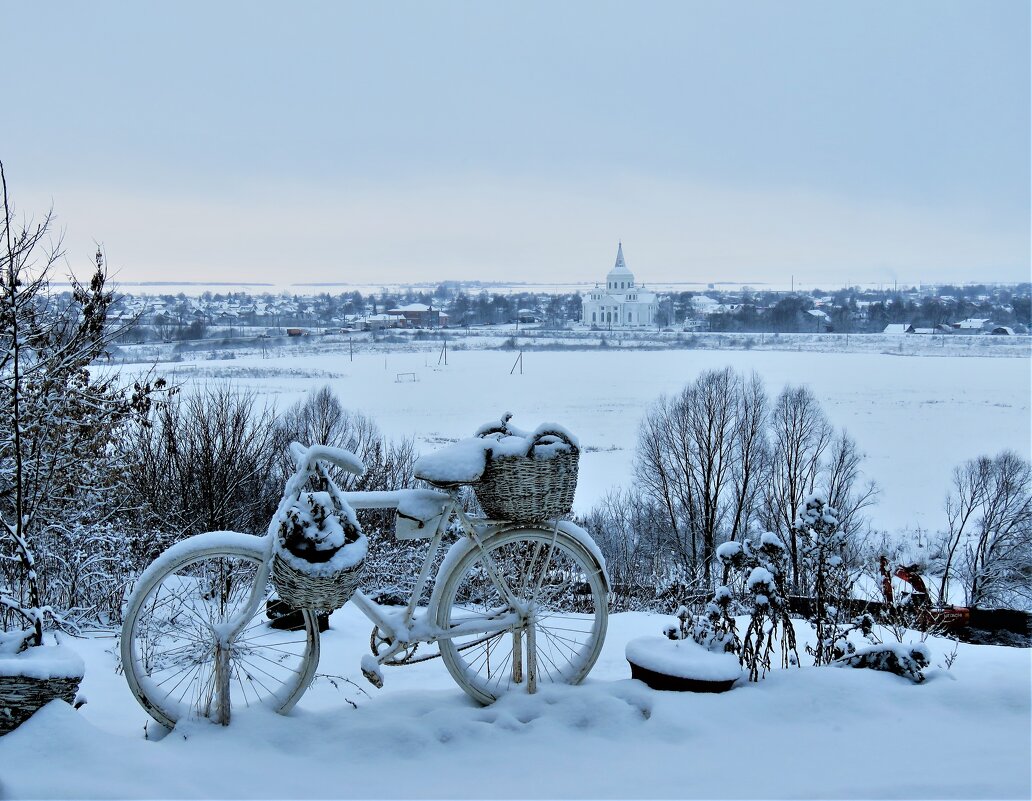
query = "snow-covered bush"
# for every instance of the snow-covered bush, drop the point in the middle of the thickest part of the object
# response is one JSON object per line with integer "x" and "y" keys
{"x": 908, "y": 661}
{"x": 822, "y": 545}
{"x": 202, "y": 461}
{"x": 715, "y": 628}
{"x": 757, "y": 570}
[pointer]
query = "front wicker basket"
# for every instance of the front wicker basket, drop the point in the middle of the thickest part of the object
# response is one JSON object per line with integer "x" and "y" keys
{"x": 21, "y": 696}
{"x": 304, "y": 591}
{"x": 525, "y": 489}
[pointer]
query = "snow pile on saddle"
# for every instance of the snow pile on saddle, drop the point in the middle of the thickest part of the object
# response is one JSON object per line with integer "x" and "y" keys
{"x": 464, "y": 461}
{"x": 320, "y": 537}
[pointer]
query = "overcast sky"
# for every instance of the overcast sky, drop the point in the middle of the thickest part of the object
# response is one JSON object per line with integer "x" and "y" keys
{"x": 835, "y": 142}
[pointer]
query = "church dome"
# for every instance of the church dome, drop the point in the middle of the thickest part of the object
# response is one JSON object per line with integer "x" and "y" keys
{"x": 620, "y": 277}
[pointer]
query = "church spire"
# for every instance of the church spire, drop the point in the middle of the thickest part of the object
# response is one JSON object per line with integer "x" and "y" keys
{"x": 620, "y": 265}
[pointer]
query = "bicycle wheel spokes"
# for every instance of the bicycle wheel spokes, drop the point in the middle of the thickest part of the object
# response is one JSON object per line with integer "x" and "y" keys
{"x": 170, "y": 650}
{"x": 561, "y": 597}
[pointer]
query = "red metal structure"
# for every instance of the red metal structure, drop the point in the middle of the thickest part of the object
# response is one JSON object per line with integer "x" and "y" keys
{"x": 928, "y": 615}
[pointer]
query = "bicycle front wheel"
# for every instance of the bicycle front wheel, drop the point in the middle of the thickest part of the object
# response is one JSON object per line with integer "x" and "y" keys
{"x": 561, "y": 601}
{"x": 174, "y": 661}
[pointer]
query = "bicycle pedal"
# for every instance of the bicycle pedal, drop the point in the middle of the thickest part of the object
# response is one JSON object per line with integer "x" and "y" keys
{"x": 371, "y": 671}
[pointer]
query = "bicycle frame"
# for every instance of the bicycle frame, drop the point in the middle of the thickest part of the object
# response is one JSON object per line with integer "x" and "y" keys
{"x": 403, "y": 628}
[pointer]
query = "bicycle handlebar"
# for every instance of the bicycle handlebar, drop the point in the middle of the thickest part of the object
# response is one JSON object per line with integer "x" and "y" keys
{"x": 343, "y": 459}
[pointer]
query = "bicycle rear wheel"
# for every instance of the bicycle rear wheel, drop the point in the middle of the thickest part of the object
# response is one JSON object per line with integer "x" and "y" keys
{"x": 562, "y": 599}
{"x": 172, "y": 658}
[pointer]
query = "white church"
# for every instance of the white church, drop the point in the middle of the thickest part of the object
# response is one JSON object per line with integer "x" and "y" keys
{"x": 622, "y": 304}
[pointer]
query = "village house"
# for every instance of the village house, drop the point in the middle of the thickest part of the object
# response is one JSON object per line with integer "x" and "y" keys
{"x": 416, "y": 315}
{"x": 973, "y": 325}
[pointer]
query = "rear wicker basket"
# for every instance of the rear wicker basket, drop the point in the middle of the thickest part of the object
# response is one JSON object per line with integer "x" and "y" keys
{"x": 529, "y": 488}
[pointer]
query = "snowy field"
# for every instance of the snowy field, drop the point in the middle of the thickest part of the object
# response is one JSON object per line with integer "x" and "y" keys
{"x": 801, "y": 733}
{"x": 916, "y": 417}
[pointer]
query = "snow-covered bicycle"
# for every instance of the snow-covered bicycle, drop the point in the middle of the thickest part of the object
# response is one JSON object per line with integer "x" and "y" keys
{"x": 511, "y": 606}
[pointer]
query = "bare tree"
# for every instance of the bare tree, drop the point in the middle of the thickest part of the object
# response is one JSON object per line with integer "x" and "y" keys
{"x": 701, "y": 457}
{"x": 658, "y": 473}
{"x": 707, "y": 423}
{"x": 844, "y": 486}
{"x": 988, "y": 541}
{"x": 799, "y": 435}
{"x": 56, "y": 477}
{"x": 752, "y": 454}
{"x": 321, "y": 418}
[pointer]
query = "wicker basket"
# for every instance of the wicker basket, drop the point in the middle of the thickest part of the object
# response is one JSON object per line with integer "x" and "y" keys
{"x": 321, "y": 591}
{"x": 529, "y": 488}
{"x": 21, "y": 696}
{"x": 304, "y": 591}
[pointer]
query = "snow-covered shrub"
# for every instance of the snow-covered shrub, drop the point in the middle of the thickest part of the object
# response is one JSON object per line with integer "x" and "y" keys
{"x": 757, "y": 569}
{"x": 908, "y": 661}
{"x": 715, "y": 629}
{"x": 203, "y": 461}
{"x": 629, "y": 529}
{"x": 822, "y": 545}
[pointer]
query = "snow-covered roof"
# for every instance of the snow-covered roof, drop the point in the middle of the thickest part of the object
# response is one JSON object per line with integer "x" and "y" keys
{"x": 972, "y": 322}
{"x": 817, "y": 313}
{"x": 898, "y": 328}
{"x": 412, "y": 307}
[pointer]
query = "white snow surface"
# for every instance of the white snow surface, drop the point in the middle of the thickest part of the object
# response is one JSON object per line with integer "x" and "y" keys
{"x": 727, "y": 551}
{"x": 684, "y": 659}
{"x": 825, "y": 733}
{"x": 459, "y": 463}
{"x": 47, "y": 661}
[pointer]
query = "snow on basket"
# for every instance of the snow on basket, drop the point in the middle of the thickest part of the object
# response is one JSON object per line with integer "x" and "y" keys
{"x": 527, "y": 476}
{"x": 683, "y": 665}
{"x": 319, "y": 552}
{"x": 32, "y": 678}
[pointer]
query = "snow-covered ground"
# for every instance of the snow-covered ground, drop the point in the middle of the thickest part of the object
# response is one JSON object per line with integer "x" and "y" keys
{"x": 810, "y": 732}
{"x": 916, "y": 417}
{"x": 801, "y": 733}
